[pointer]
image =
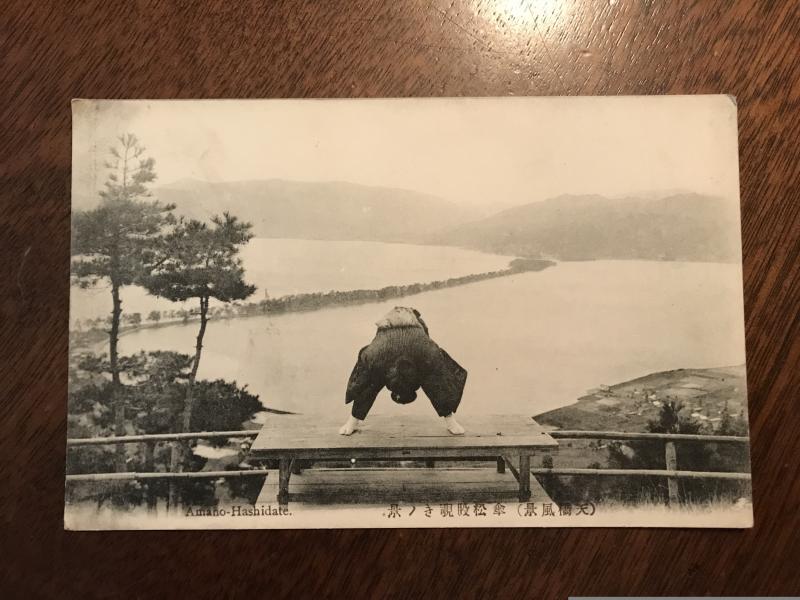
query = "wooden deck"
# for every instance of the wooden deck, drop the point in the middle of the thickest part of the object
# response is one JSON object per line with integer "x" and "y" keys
{"x": 498, "y": 440}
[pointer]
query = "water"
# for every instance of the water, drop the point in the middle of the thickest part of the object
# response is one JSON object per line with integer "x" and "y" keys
{"x": 279, "y": 267}
{"x": 531, "y": 342}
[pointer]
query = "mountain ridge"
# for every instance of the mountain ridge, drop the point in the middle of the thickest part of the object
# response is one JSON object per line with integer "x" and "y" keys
{"x": 330, "y": 210}
{"x": 680, "y": 226}
{"x": 684, "y": 226}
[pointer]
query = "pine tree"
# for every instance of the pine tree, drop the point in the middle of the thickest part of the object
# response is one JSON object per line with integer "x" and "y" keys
{"x": 117, "y": 242}
{"x": 201, "y": 262}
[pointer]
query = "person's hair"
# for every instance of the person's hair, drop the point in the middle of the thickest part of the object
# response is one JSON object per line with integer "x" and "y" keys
{"x": 403, "y": 381}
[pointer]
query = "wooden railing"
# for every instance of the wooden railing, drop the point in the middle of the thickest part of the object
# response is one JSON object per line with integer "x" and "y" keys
{"x": 149, "y": 441}
{"x": 670, "y": 472}
{"x": 160, "y": 437}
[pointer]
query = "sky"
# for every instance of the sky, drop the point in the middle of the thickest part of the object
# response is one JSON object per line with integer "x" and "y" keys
{"x": 484, "y": 152}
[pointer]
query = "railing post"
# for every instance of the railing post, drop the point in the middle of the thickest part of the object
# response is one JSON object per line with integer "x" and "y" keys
{"x": 174, "y": 464}
{"x": 671, "y": 459}
{"x": 524, "y": 477}
{"x": 149, "y": 451}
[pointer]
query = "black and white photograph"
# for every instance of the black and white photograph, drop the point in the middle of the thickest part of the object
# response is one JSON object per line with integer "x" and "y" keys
{"x": 428, "y": 312}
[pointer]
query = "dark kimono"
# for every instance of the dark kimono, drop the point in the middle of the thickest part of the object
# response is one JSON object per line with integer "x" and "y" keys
{"x": 404, "y": 337}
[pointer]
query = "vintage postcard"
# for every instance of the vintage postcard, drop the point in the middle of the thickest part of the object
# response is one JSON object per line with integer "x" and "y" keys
{"x": 449, "y": 312}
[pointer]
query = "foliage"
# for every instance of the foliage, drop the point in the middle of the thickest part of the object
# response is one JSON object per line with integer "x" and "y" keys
{"x": 199, "y": 261}
{"x": 154, "y": 393}
{"x": 117, "y": 241}
{"x": 247, "y": 488}
{"x": 127, "y": 240}
{"x": 641, "y": 454}
{"x": 732, "y": 424}
{"x": 670, "y": 420}
{"x": 114, "y": 241}
{"x": 125, "y": 178}
{"x": 692, "y": 456}
{"x": 222, "y": 405}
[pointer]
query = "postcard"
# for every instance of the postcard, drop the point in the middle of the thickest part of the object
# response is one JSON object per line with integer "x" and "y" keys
{"x": 431, "y": 312}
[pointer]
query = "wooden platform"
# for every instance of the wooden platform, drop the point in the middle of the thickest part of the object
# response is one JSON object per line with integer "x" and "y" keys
{"x": 329, "y": 488}
{"x": 499, "y": 440}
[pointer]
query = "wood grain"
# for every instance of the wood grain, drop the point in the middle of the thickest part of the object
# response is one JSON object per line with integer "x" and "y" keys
{"x": 293, "y": 434}
{"x": 52, "y": 52}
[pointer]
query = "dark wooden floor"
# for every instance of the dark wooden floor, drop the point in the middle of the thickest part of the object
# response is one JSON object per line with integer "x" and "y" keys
{"x": 52, "y": 52}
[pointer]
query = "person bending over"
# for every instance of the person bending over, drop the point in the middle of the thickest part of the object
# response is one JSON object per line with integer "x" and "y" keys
{"x": 402, "y": 357}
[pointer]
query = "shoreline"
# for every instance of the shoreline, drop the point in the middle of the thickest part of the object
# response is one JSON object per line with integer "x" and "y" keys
{"x": 705, "y": 392}
{"x": 312, "y": 301}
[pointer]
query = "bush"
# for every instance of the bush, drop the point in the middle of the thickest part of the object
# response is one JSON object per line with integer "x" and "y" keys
{"x": 154, "y": 396}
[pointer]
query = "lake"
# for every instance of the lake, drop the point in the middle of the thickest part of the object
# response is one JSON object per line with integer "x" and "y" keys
{"x": 279, "y": 267}
{"x": 530, "y": 342}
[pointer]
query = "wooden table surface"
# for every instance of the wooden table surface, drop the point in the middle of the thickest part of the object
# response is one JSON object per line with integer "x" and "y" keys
{"x": 312, "y": 436}
{"x": 52, "y": 52}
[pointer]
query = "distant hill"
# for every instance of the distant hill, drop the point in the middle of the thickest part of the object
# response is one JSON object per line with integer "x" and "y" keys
{"x": 679, "y": 227}
{"x": 318, "y": 210}
{"x": 629, "y": 406}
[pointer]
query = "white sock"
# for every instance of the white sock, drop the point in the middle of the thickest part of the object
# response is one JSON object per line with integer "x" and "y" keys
{"x": 350, "y": 426}
{"x": 452, "y": 425}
